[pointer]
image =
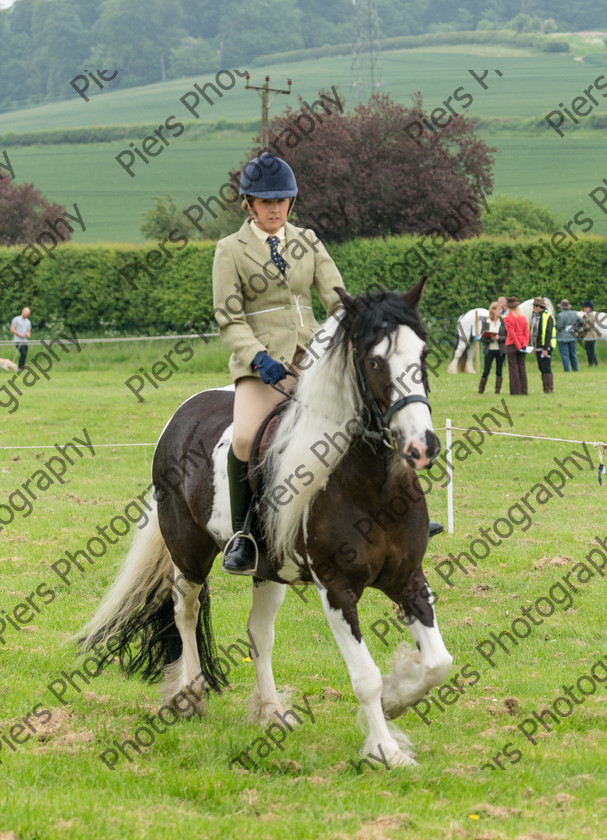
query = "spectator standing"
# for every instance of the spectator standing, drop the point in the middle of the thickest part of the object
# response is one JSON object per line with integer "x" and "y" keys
{"x": 21, "y": 327}
{"x": 517, "y": 339}
{"x": 565, "y": 338}
{"x": 588, "y": 332}
{"x": 493, "y": 338}
{"x": 543, "y": 341}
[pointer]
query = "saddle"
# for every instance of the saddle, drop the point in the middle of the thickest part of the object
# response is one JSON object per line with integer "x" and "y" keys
{"x": 261, "y": 443}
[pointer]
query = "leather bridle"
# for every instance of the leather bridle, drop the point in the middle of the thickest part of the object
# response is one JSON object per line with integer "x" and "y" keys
{"x": 379, "y": 419}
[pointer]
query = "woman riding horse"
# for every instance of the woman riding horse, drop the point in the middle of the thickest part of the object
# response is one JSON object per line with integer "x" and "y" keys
{"x": 271, "y": 320}
{"x": 340, "y": 506}
{"x": 273, "y": 313}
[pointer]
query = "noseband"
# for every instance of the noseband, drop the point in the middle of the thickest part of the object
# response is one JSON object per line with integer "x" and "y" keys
{"x": 381, "y": 421}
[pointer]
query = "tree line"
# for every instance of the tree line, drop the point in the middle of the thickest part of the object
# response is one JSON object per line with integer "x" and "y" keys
{"x": 45, "y": 43}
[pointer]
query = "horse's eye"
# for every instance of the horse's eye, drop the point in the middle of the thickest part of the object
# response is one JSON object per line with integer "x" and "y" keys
{"x": 373, "y": 364}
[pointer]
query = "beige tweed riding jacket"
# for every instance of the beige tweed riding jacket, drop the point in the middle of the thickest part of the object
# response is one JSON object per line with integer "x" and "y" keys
{"x": 259, "y": 308}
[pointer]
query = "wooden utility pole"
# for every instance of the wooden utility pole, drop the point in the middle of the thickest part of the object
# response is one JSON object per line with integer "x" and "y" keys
{"x": 265, "y": 105}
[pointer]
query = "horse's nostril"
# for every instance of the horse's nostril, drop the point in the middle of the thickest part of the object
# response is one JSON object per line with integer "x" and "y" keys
{"x": 414, "y": 452}
{"x": 432, "y": 444}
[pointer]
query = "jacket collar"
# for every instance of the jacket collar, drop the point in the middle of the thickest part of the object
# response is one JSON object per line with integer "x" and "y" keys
{"x": 255, "y": 249}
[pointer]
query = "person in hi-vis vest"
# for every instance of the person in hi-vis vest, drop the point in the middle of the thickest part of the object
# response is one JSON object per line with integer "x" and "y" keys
{"x": 543, "y": 340}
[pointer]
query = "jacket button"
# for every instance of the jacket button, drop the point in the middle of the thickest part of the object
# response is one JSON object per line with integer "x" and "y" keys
{"x": 291, "y": 326}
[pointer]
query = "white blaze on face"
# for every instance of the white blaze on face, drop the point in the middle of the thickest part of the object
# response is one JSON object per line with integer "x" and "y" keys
{"x": 411, "y": 423}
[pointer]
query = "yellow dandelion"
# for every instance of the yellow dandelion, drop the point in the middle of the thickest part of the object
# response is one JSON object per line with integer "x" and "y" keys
{"x": 473, "y": 816}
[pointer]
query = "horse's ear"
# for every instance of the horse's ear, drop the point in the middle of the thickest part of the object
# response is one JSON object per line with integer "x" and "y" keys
{"x": 348, "y": 301}
{"x": 413, "y": 296}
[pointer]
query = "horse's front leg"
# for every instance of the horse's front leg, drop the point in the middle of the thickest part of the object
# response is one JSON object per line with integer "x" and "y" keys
{"x": 340, "y": 608}
{"x": 414, "y": 673}
{"x": 267, "y": 599}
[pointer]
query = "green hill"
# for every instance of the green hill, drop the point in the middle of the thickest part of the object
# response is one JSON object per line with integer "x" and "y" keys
{"x": 556, "y": 171}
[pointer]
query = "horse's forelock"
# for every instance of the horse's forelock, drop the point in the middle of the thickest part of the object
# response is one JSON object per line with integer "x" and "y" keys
{"x": 375, "y": 316}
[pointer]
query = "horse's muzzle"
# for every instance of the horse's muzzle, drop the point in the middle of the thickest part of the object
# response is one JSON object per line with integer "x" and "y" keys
{"x": 420, "y": 455}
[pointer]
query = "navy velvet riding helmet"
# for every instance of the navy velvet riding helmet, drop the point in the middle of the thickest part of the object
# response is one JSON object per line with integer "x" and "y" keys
{"x": 268, "y": 176}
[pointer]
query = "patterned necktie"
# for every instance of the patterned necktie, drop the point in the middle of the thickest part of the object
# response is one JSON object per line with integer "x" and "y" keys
{"x": 276, "y": 258}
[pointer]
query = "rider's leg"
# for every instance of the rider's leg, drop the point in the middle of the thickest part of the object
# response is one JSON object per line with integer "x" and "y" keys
{"x": 253, "y": 401}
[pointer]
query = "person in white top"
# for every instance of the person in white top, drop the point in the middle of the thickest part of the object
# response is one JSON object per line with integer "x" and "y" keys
{"x": 21, "y": 327}
{"x": 493, "y": 338}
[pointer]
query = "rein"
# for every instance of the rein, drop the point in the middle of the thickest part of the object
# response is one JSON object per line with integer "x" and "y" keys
{"x": 380, "y": 421}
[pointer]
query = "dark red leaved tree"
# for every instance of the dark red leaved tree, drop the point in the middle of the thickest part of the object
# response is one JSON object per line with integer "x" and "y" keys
{"x": 365, "y": 164}
{"x": 23, "y": 213}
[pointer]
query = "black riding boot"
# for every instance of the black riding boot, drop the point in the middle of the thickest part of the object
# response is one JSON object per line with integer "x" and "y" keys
{"x": 435, "y": 528}
{"x": 241, "y": 555}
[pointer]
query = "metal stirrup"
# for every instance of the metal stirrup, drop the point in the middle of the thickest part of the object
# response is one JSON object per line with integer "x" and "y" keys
{"x": 244, "y": 536}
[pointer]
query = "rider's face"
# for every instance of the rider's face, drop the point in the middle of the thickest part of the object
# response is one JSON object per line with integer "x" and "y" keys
{"x": 271, "y": 213}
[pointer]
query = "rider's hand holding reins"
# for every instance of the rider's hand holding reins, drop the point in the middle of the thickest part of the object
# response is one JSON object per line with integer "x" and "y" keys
{"x": 269, "y": 369}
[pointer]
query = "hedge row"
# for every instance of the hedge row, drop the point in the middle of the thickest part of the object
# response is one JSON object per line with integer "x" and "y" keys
{"x": 595, "y": 122}
{"x": 80, "y": 285}
{"x": 403, "y": 42}
{"x": 109, "y": 133}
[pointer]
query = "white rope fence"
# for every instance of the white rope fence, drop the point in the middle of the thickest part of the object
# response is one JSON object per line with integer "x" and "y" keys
{"x": 96, "y": 445}
{"x": 447, "y": 428}
{"x": 514, "y": 434}
{"x": 36, "y": 341}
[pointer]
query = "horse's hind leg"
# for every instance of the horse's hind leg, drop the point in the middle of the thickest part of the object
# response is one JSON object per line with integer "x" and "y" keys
{"x": 184, "y": 683}
{"x": 267, "y": 599}
{"x": 469, "y": 356}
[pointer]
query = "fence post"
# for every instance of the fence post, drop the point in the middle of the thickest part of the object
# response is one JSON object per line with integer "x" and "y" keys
{"x": 449, "y": 476}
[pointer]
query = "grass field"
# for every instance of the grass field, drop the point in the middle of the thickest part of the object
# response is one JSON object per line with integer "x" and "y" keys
{"x": 112, "y": 204}
{"x": 557, "y": 172}
{"x": 532, "y": 84}
{"x": 54, "y": 783}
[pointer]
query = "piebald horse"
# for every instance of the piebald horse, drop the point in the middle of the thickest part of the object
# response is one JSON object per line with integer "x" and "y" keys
{"x": 347, "y": 446}
{"x": 469, "y": 325}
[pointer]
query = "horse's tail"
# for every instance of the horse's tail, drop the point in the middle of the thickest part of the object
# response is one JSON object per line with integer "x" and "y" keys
{"x": 135, "y": 621}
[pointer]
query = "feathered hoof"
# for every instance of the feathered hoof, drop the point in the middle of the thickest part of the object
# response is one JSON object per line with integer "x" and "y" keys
{"x": 187, "y": 698}
{"x": 187, "y": 703}
{"x": 402, "y": 686}
{"x": 401, "y": 759}
{"x": 262, "y": 712}
{"x": 397, "y": 751}
{"x": 266, "y": 713}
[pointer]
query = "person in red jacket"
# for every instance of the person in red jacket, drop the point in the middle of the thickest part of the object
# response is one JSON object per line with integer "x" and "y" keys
{"x": 517, "y": 339}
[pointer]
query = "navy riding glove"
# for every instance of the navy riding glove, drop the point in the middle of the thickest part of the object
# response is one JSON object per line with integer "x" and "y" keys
{"x": 269, "y": 369}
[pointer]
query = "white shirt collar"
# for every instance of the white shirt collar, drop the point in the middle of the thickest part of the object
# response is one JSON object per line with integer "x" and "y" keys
{"x": 263, "y": 236}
